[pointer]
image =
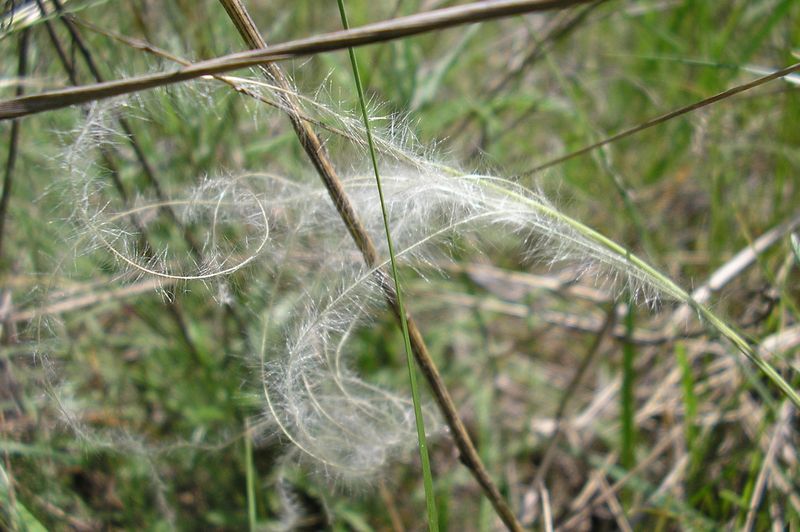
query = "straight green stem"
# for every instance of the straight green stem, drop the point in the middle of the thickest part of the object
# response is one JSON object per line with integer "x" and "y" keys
{"x": 433, "y": 520}
{"x": 250, "y": 478}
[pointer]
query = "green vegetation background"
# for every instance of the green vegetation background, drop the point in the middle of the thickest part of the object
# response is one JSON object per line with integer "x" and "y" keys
{"x": 507, "y": 96}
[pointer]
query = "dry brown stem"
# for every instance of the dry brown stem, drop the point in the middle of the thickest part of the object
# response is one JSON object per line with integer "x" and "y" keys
{"x": 372, "y": 33}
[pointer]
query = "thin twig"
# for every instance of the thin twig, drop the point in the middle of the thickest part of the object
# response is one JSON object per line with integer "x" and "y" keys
{"x": 614, "y": 505}
{"x": 391, "y": 507}
{"x": 62, "y": 55}
{"x": 372, "y": 33}
{"x": 86, "y": 300}
{"x": 647, "y": 124}
{"x": 547, "y": 511}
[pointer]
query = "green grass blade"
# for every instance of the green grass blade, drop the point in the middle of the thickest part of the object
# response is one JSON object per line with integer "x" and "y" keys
{"x": 251, "y": 476}
{"x": 627, "y": 452}
{"x": 433, "y": 522}
{"x": 20, "y": 518}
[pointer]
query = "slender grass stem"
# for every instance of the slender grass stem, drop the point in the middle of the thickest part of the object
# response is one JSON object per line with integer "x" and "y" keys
{"x": 628, "y": 396}
{"x": 667, "y": 116}
{"x": 433, "y": 521}
{"x": 250, "y": 478}
{"x": 665, "y": 284}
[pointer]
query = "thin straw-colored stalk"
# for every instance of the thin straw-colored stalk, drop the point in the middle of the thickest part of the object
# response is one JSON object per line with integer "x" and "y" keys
{"x": 396, "y": 28}
{"x": 430, "y": 501}
{"x": 660, "y": 119}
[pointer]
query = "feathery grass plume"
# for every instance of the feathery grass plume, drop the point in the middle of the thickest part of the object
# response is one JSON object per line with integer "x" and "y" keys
{"x": 299, "y": 510}
{"x": 431, "y": 194}
{"x": 549, "y": 233}
{"x": 348, "y": 427}
{"x": 427, "y": 205}
{"x": 553, "y": 234}
{"x": 146, "y": 234}
{"x": 425, "y": 194}
{"x": 314, "y": 397}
